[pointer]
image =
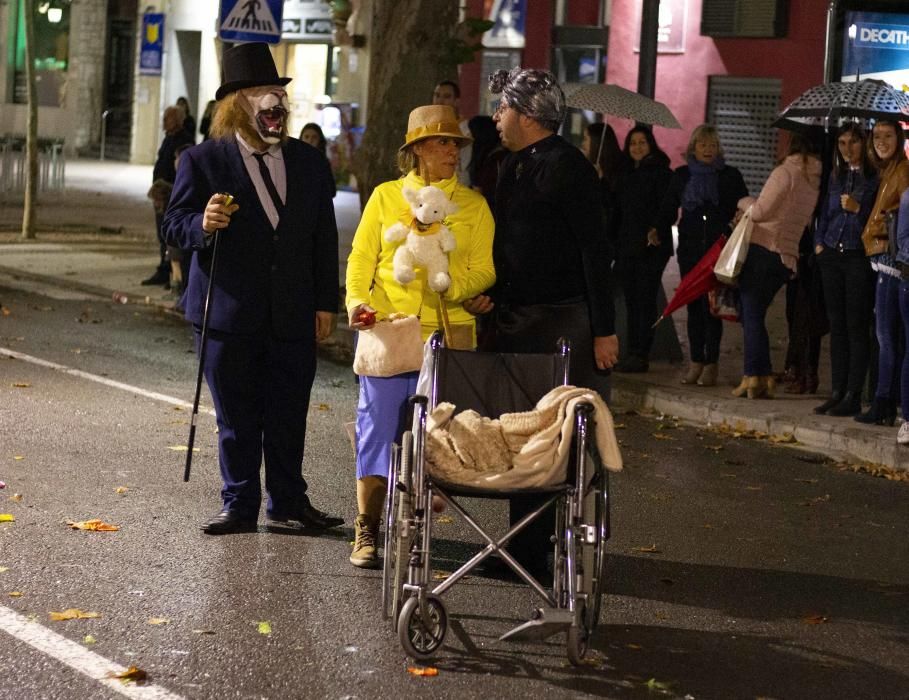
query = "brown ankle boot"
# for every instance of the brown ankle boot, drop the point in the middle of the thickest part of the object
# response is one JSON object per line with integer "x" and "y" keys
{"x": 756, "y": 387}
{"x": 742, "y": 388}
{"x": 769, "y": 386}
{"x": 365, "y": 555}
{"x": 708, "y": 376}
{"x": 694, "y": 373}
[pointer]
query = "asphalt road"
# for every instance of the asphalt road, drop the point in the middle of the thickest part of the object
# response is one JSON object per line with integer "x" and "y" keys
{"x": 738, "y": 568}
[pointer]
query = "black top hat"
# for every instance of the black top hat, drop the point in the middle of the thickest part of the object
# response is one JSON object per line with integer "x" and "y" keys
{"x": 248, "y": 65}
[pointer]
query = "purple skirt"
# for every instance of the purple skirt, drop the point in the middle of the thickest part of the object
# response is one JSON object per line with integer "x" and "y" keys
{"x": 381, "y": 412}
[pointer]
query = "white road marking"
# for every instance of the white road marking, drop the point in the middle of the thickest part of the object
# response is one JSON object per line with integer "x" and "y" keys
{"x": 78, "y": 657}
{"x": 103, "y": 380}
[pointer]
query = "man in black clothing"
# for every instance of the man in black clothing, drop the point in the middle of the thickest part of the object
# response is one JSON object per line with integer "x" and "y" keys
{"x": 165, "y": 172}
{"x": 552, "y": 257}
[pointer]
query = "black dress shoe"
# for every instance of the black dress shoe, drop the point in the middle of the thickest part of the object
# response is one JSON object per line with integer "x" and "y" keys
{"x": 228, "y": 522}
{"x": 306, "y": 517}
{"x": 834, "y": 399}
{"x": 850, "y": 405}
{"x": 160, "y": 277}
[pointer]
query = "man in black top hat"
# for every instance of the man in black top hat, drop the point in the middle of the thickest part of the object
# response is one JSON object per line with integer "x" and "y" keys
{"x": 275, "y": 289}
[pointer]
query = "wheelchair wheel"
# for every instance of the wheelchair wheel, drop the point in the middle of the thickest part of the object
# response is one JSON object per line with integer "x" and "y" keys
{"x": 391, "y": 509}
{"x": 403, "y": 539}
{"x": 593, "y": 556}
{"x": 422, "y": 633}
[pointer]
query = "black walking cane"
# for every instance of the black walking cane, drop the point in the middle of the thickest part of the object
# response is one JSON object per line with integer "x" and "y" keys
{"x": 229, "y": 198}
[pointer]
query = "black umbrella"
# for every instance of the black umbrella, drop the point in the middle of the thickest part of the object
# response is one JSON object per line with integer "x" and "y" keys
{"x": 823, "y": 106}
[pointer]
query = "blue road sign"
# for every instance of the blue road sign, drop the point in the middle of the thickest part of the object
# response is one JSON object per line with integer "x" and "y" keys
{"x": 251, "y": 20}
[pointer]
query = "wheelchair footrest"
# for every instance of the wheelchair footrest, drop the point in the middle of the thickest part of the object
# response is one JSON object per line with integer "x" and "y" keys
{"x": 549, "y": 621}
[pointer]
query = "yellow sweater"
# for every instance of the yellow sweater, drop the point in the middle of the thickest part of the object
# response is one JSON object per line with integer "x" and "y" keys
{"x": 370, "y": 278}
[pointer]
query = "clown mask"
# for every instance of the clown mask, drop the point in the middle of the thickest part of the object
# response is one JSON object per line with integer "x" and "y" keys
{"x": 268, "y": 109}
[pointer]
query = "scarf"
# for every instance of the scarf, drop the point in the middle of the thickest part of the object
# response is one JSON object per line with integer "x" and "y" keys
{"x": 702, "y": 187}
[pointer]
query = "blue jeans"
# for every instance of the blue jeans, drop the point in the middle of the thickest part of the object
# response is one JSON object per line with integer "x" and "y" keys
{"x": 904, "y": 376}
{"x": 761, "y": 278}
{"x": 887, "y": 325}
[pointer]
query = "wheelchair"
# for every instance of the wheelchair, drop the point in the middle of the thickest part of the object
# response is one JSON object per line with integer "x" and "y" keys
{"x": 493, "y": 384}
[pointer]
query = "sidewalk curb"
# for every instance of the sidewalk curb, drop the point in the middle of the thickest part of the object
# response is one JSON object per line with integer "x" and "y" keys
{"x": 868, "y": 444}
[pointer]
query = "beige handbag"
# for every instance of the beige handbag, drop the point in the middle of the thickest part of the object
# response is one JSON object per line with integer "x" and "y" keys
{"x": 392, "y": 346}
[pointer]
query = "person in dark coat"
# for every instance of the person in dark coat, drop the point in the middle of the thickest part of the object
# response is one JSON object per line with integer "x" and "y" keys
{"x": 641, "y": 253}
{"x": 189, "y": 122}
{"x": 553, "y": 262}
{"x": 707, "y": 191}
{"x": 163, "y": 174}
{"x": 275, "y": 289}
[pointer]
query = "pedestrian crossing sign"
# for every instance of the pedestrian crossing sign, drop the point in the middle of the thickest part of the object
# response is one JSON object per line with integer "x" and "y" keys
{"x": 250, "y": 20}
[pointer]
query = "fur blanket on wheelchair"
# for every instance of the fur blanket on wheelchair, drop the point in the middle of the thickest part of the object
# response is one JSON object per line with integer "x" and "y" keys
{"x": 516, "y": 450}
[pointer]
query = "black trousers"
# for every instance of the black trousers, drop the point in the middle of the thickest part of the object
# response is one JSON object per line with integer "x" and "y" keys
{"x": 536, "y": 328}
{"x": 849, "y": 298}
{"x": 640, "y": 278}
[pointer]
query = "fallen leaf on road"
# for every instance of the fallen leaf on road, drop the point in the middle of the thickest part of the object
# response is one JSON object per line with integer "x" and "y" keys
{"x": 654, "y": 684}
{"x": 15, "y": 594}
{"x": 88, "y": 639}
{"x": 16, "y": 498}
{"x": 133, "y": 674}
{"x": 95, "y": 525}
{"x": 439, "y": 575}
{"x": 785, "y": 438}
{"x": 634, "y": 646}
{"x": 5, "y": 311}
{"x": 652, "y": 549}
{"x": 324, "y": 407}
{"x": 181, "y": 448}
{"x": 754, "y": 488}
{"x": 807, "y": 481}
{"x": 203, "y": 631}
{"x": 715, "y": 448}
{"x": 707, "y": 526}
{"x": 423, "y": 671}
{"x": 265, "y": 627}
{"x": 444, "y": 519}
{"x": 619, "y": 426}
{"x": 176, "y": 408}
{"x": 661, "y": 436}
{"x": 21, "y": 385}
{"x": 121, "y": 490}
{"x": 815, "y": 501}
{"x": 72, "y": 614}
{"x": 3, "y": 569}
{"x": 158, "y": 621}
{"x": 815, "y": 619}
{"x": 18, "y": 458}
{"x": 7, "y": 518}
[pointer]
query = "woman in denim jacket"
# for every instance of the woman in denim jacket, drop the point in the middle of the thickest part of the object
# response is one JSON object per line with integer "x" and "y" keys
{"x": 888, "y": 154}
{"x": 846, "y": 273}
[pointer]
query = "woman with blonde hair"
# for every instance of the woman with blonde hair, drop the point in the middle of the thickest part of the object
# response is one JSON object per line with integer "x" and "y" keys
{"x": 429, "y": 156}
{"x": 887, "y": 152}
{"x": 708, "y": 191}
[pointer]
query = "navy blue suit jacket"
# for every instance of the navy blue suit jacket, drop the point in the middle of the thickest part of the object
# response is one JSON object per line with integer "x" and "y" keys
{"x": 266, "y": 279}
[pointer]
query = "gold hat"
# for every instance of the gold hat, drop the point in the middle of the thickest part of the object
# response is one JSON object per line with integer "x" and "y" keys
{"x": 433, "y": 120}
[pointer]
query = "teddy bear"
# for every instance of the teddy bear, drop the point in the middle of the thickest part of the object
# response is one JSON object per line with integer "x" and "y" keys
{"x": 426, "y": 239}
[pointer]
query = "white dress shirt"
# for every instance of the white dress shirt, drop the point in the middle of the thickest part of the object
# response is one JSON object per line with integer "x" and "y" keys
{"x": 274, "y": 160}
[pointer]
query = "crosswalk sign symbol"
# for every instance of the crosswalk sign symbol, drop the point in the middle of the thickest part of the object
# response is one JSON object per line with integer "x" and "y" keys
{"x": 251, "y": 20}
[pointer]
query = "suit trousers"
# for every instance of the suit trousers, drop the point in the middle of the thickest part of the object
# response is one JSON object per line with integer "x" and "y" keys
{"x": 260, "y": 386}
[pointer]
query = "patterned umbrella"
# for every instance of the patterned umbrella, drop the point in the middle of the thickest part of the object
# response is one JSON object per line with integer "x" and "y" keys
{"x": 824, "y": 105}
{"x": 619, "y": 102}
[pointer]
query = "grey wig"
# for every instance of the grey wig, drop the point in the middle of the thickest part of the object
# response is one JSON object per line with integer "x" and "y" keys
{"x": 532, "y": 92}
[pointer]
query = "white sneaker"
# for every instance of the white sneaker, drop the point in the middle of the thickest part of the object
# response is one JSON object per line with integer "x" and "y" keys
{"x": 902, "y": 437}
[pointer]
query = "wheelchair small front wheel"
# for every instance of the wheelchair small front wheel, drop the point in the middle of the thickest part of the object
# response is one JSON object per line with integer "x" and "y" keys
{"x": 422, "y": 631}
{"x": 577, "y": 643}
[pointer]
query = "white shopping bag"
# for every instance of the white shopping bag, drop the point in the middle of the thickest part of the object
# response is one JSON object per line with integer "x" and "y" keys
{"x": 732, "y": 257}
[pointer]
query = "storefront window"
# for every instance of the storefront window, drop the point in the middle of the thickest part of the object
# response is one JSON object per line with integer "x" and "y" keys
{"x": 51, "y": 52}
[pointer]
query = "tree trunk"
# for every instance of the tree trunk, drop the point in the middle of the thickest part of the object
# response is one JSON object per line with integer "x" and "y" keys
{"x": 31, "y": 140}
{"x": 407, "y": 58}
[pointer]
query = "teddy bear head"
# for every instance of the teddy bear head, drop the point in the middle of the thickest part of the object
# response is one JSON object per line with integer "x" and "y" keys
{"x": 429, "y": 204}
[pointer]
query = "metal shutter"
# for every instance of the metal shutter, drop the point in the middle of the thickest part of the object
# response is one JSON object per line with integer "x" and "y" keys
{"x": 745, "y": 18}
{"x": 742, "y": 110}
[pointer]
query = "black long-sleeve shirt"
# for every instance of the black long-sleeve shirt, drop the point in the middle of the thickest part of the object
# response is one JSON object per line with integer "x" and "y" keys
{"x": 550, "y": 243}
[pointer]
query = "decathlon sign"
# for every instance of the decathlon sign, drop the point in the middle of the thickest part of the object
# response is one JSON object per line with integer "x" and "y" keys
{"x": 882, "y": 36}
{"x": 250, "y": 20}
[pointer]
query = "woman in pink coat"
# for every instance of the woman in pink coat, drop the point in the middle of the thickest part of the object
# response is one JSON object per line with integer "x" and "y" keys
{"x": 780, "y": 215}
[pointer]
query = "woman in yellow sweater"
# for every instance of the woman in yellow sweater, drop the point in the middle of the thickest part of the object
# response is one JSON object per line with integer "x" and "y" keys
{"x": 429, "y": 156}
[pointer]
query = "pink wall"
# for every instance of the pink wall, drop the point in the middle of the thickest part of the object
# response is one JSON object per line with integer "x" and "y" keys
{"x": 682, "y": 79}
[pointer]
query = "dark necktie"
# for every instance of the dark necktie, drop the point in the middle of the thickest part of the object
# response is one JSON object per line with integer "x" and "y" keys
{"x": 269, "y": 183}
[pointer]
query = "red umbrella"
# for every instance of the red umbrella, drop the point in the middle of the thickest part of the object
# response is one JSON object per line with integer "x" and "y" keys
{"x": 699, "y": 280}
